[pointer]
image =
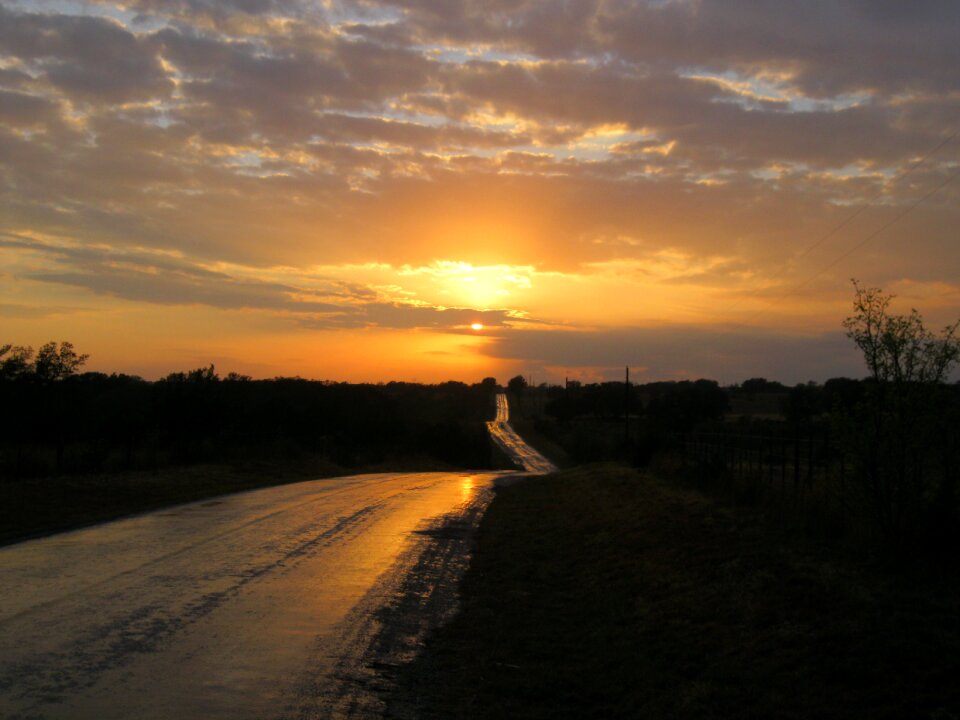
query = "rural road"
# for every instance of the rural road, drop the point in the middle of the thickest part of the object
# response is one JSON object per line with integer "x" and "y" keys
{"x": 511, "y": 443}
{"x": 295, "y": 601}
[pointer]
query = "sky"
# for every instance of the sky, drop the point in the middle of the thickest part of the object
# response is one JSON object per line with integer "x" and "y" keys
{"x": 346, "y": 190}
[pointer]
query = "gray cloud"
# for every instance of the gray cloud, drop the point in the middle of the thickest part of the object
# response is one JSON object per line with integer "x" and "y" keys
{"x": 408, "y": 317}
{"x": 265, "y": 132}
{"x": 165, "y": 280}
{"x": 340, "y": 128}
{"x": 86, "y": 57}
{"x": 24, "y": 109}
{"x": 144, "y": 277}
{"x": 727, "y": 354}
{"x": 831, "y": 46}
{"x": 184, "y": 288}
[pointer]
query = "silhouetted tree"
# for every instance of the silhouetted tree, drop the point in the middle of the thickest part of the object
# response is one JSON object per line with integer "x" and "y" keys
{"x": 802, "y": 404}
{"x": 489, "y": 384}
{"x": 517, "y": 384}
{"x": 907, "y": 477}
{"x": 679, "y": 407}
{"x": 14, "y": 361}
{"x": 55, "y": 363}
{"x": 898, "y": 348}
{"x": 841, "y": 394}
{"x": 91, "y": 422}
{"x": 760, "y": 385}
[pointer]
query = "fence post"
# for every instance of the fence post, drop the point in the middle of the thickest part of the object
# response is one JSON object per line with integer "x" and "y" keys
{"x": 741, "y": 456}
{"x": 843, "y": 484}
{"x": 796, "y": 464}
{"x": 771, "y": 466}
{"x": 758, "y": 471}
{"x": 783, "y": 460}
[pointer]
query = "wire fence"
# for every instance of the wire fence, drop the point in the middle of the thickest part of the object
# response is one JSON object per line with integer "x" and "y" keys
{"x": 802, "y": 468}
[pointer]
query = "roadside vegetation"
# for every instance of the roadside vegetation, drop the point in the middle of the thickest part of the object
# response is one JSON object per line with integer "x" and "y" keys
{"x": 79, "y": 447}
{"x": 872, "y": 462}
{"x": 752, "y": 551}
{"x": 603, "y": 592}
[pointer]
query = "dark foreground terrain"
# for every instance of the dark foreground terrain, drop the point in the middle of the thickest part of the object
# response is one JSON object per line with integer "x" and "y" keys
{"x": 600, "y": 592}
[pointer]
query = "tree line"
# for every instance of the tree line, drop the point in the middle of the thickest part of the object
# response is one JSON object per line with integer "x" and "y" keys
{"x": 897, "y": 430}
{"x": 60, "y": 420}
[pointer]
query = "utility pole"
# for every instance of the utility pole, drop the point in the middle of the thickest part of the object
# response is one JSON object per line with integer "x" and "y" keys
{"x": 626, "y": 406}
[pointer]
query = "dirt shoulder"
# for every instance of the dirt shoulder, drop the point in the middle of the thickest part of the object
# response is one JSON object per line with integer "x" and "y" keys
{"x": 601, "y": 593}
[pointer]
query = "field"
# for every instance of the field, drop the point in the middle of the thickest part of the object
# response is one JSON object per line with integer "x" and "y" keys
{"x": 601, "y": 592}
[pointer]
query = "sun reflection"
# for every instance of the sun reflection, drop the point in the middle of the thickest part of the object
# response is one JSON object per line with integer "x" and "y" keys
{"x": 467, "y": 487}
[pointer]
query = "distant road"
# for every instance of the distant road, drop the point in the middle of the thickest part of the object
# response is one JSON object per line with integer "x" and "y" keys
{"x": 286, "y": 602}
{"x": 507, "y": 438}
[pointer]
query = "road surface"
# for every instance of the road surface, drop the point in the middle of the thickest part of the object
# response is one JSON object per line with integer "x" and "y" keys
{"x": 287, "y": 602}
{"x": 507, "y": 438}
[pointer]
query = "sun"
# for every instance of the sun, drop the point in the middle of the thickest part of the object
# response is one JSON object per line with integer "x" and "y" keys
{"x": 477, "y": 326}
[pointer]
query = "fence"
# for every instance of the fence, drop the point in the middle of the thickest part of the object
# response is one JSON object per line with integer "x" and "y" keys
{"x": 799, "y": 468}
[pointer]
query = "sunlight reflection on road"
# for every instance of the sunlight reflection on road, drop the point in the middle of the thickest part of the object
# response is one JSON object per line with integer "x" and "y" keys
{"x": 236, "y": 607}
{"x": 512, "y": 444}
{"x": 208, "y": 610}
{"x": 467, "y": 488}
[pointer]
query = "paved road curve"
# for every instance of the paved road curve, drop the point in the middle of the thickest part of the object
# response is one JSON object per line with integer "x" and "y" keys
{"x": 285, "y": 602}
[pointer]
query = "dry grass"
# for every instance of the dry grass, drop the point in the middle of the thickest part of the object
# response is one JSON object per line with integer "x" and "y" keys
{"x": 601, "y": 593}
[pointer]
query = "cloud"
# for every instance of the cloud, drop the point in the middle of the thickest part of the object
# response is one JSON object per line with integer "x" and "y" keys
{"x": 400, "y": 316}
{"x": 166, "y": 280}
{"x": 686, "y": 352}
{"x": 34, "y": 312}
{"x": 318, "y": 302}
{"x": 825, "y": 47}
{"x": 180, "y": 151}
{"x": 87, "y": 58}
{"x": 23, "y": 109}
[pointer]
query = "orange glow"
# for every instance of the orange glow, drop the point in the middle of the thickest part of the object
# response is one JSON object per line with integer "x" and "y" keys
{"x": 467, "y": 488}
{"x": 436, "y": 219}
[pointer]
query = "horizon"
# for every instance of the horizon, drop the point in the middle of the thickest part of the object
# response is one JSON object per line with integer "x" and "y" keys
{"x": 367, "y": 191}
{"x": 228, "y": 375}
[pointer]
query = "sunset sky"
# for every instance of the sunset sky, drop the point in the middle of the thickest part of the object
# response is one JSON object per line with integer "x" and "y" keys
{"x": 341, "y": 190}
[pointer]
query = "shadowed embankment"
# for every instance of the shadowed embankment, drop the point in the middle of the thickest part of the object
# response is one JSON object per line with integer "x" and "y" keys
{"x": 600, "y": 592}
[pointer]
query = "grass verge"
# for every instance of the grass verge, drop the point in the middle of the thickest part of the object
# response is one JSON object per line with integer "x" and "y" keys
{"x": 551, "y": 450}
{"x": 601, "y": 593}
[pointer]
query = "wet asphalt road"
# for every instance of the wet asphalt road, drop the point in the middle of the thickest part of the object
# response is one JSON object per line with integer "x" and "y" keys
{"x": 284, "y": 602}
{"x": 511, "y": 443}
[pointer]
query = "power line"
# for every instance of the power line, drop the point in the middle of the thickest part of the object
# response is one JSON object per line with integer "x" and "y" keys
{"x": 869, "y": 203}
{"x": 892, "y": 221}
{"x": 877, "y": 194}
{"x": 879, "y": 230}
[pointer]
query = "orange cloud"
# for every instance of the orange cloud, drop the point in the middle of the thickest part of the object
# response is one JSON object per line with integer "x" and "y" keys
{"x": 240, "y": 175}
